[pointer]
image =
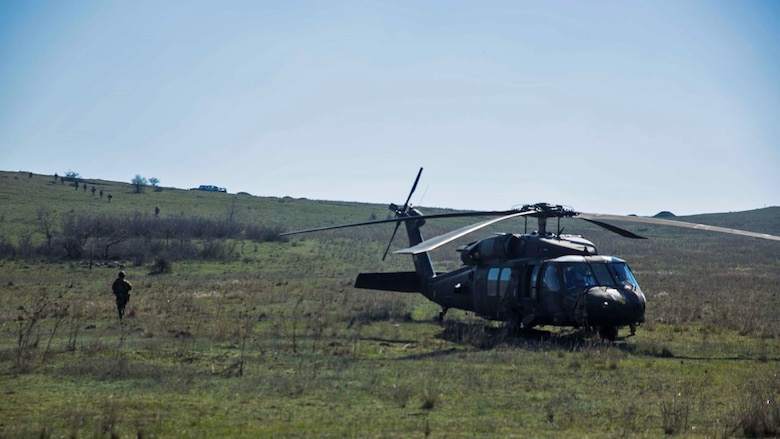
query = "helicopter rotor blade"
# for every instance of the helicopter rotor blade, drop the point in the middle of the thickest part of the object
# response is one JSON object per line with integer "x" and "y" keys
{"x": 402, "y": 219}
{"x": 411, "y": 192}
{"x": 389, "y": 243}
{"x": 438, "y": 241}
{"x": 673, "y": 223}
{"x": 622, "y": 232}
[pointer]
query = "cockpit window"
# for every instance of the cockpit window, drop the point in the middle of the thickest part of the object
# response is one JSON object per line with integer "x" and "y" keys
{"x": 623, "y": 275}
{"x": 603, "y": 275}
{"x": 578, "y": 275}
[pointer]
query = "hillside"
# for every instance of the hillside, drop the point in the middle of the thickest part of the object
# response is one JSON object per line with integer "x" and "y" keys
{"x": 244, "y": 334}
{"x": 31, "y": 195}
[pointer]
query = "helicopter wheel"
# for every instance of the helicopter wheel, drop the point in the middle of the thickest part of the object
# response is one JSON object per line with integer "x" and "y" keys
{"x": 608, "y": 332}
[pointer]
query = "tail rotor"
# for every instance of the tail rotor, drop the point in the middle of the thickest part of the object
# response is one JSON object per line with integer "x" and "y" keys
{"x": 402, "y": 211}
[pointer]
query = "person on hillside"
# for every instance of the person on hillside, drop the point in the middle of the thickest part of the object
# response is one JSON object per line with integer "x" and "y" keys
{"x": 121, "y": 289}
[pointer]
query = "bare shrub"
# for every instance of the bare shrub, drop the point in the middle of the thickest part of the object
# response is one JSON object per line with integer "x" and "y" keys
{"x": 162, "y": 265}
{"x": 183, "y": 249}
{"x": 759, "y": 413}
{"x": 25, "y": 249}
{"x": 28, "y": 334}
{"x": 77, "y": 230}
{"x": 59, "y": 311}
{"x": 430, "y": 398}
{"x": 401, "y": 393}
{"x": 218, "y": 250}
{"x": 138, "y": 237}
{"x": 7, "y": 249}
{"x": 261, "y": 233}
{"x": 110, "y": 419}
{"x": 674, "y": 414}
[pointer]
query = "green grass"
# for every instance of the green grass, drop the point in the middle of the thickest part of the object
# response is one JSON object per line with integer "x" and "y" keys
{"x": 274, "y": 342}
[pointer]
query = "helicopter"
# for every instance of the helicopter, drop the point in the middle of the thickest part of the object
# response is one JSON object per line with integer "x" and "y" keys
{"x": 529, "y": 279}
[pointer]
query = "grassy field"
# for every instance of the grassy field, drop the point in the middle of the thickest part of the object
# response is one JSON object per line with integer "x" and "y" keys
{"x": 250, "y": 335}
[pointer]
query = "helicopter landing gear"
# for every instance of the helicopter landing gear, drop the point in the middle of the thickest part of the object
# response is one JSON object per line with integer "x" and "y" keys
{"x": 512, "y": 327}
{"x": 608, "y": 332}
{"x": 443, "y": 312}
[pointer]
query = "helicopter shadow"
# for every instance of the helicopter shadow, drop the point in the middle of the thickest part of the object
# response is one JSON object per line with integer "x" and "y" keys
{"x": 485, "y": 337}
{"x": 477, "y": 336}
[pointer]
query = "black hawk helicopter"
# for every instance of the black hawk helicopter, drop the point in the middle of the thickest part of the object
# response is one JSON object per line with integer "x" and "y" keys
{"x": 529, "y": 279}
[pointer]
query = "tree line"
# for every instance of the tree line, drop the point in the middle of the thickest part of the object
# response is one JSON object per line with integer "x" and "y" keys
{"x": 137, "y": 237}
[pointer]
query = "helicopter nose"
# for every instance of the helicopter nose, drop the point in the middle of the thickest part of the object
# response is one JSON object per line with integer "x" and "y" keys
{"x": 608, "y": 306}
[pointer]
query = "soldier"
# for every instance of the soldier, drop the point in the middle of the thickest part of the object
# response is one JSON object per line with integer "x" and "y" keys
{"x": 121, "y": 289}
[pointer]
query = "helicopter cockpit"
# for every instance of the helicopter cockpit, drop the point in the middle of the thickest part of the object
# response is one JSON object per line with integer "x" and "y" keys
{"x": 591, "y": 290}
{"x": 577, "y": 272}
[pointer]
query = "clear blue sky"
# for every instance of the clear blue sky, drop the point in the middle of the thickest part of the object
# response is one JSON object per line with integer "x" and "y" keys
{"x": 615, "y": 107}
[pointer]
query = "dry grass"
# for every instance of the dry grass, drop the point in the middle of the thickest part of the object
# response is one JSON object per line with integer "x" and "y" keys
{"x": 275, "y": 342}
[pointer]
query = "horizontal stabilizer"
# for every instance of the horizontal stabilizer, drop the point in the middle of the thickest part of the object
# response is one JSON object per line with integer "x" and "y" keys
{"x": 402, "y": 281}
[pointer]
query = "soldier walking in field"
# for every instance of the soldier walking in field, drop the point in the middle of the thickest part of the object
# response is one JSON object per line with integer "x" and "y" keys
{"x": 121, "y": 289}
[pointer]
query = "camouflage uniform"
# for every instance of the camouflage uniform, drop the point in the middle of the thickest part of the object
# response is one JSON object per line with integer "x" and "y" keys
{"x": 121, "y": 289}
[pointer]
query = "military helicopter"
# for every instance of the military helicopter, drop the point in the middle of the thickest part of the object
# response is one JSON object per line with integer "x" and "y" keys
{"x": 529, "y": 279}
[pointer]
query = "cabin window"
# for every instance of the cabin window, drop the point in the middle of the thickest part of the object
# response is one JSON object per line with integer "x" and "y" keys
{"x": 492, "y": 286}
{"x": 505, "y": 282}
{"x": 550, "y": 280}
{"x": 499, "y": 281}
{"x": 536, "y": 273}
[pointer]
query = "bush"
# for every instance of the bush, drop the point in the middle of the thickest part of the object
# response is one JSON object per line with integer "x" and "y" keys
{"x": 162, "y": 265}
{"x": 260, "y": 233}
{"x": 139, "y": 237}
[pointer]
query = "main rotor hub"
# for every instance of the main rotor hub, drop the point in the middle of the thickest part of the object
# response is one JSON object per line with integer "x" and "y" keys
{"x": 542, "y": 211}
{"x": 547, "y": 210}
